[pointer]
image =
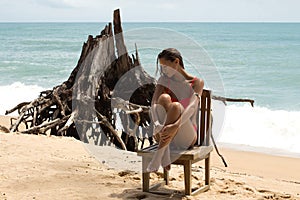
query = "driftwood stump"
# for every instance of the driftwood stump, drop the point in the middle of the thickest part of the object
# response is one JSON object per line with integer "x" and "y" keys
{"x": 87, "y": 100}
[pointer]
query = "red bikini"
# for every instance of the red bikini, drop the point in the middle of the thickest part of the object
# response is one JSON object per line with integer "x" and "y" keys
{"x": 185, "y": 101}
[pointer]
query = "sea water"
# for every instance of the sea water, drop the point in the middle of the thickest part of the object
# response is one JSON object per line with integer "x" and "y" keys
{"x": 260, "y": 61}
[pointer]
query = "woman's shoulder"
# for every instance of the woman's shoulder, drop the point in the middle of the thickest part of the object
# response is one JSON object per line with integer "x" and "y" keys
{"x": 193, "y": 79}
{"x": 197, "y": 83}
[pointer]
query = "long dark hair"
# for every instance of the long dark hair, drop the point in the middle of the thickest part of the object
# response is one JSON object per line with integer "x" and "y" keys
{"x": 169, "y": 54}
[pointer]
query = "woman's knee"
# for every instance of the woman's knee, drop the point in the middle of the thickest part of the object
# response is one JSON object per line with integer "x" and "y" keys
{"x": 164, "y": 100}
{"x": 175, "y": 109}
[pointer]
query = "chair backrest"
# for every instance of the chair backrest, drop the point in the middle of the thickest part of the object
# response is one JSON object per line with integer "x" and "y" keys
{"x": 204, "y": 119}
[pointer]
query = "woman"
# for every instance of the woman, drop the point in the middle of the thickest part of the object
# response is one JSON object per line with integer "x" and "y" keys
{"x": 174, "y": 105}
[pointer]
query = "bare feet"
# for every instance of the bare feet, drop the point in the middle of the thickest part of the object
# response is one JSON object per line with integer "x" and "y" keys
{"x": 156, "y": 160}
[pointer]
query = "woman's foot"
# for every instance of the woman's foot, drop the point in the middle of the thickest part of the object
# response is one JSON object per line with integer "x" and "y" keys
{"x": 156, "y": 160}
{"x": 152, "y": 168}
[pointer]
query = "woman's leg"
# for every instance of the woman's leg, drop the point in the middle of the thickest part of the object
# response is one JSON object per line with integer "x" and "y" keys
{"x": 173, "y": 111}
{"x": 166, "y": 159}
{"x": 185, "y": 137}
{"x": 173, "y": 114}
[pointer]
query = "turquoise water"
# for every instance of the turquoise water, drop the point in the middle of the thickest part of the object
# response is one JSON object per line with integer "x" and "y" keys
{"x": 260, "y": 61}
{"x": 255, "y": 60}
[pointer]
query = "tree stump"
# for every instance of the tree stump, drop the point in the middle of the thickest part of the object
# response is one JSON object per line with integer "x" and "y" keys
{"x": 87, "y": 101}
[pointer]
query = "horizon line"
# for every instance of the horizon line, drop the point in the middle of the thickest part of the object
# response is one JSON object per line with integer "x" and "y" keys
{"x": 151, "y": 22}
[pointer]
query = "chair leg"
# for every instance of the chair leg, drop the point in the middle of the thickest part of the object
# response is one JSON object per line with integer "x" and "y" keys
{"x": 207, "y": 170}
{"x": 187, "y": 177}
{"x": 146, "y": 175}
{"x": 166, "y": 176}
{"x": 146, "y": 181}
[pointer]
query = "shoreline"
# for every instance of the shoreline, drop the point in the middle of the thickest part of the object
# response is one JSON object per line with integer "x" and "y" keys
{"x": 263, "y": 150}
{"x": 5, "y": 121}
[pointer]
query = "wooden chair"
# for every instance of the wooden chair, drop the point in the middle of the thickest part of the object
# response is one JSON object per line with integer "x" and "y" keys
{"x": 200, "y": 151}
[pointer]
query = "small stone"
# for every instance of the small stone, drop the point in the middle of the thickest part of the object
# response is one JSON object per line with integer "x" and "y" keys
{"x": 136, "y": 178}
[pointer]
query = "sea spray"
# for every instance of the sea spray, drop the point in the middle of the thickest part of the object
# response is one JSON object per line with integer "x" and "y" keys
{"x": 261, "y": 127}
{"x": 12, "y": 95}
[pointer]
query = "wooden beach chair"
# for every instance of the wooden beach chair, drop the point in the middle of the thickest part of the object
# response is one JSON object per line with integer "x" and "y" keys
{"x": 201, "y": 151}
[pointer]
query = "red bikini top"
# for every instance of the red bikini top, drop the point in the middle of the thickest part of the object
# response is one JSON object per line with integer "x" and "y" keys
{"x": 184, "y": 102}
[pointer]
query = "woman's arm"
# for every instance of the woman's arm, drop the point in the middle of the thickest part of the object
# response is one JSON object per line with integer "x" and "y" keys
{"x": 198, "y": 86}
{"x": 158, "y": 91}
{"x": 194, "y": 101}
{"x": 193, "y": 105}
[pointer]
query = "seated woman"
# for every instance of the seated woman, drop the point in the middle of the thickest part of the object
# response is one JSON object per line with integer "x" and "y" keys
{"x": 174, "y": 105}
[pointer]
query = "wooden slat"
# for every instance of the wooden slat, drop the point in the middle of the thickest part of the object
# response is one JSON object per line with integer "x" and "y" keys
{"x": 202, "y": 117}
{"x": 157, "y": 185}
{"x": 208, "y": 118}
{"x": 193, "y": 154}
{"x": 201, "y": 189}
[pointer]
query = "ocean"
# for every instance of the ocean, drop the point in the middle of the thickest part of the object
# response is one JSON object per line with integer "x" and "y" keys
{"x": 259, "y": 61}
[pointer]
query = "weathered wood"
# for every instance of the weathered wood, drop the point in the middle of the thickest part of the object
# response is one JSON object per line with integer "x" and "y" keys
{"x": 42, "y": 128}
{"x": 17, "y": 107}
{"x": 224, "y": 99}
{"x": 92, "y": 82}
{"x": 4, "y": 129}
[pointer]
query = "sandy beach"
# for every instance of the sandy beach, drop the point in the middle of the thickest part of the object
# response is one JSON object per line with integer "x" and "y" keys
{"x": 42, "y": 167}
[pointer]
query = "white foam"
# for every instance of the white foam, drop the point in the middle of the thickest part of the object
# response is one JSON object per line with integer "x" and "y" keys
{"x": 12, "y": 95}
{"x": 243, "y": 125}
{"x": 262, "y": 127}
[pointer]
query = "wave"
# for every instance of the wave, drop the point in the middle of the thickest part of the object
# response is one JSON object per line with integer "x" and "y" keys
{"x": 261, "y": 127}
{"x": 12, "y": 95}
{"x": 243, "y": 125}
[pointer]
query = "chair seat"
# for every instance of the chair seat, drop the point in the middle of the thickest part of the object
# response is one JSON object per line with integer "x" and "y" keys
{"x": 196, "y": 153}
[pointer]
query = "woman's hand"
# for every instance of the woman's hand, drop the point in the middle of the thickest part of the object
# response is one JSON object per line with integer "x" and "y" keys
{"x": 165, "y": 137}
{"x": 166, "y": 133}
{"x": 158, "y": 128}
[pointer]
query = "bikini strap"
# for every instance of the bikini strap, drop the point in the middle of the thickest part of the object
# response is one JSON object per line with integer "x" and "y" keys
{"x": 193, "y": 80}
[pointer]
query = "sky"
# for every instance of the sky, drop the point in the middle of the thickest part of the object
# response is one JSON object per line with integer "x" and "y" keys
{"x": 150, "y": 10}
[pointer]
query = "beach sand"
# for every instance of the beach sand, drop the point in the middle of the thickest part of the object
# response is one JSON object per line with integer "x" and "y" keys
{"x": 42, "y": 167}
